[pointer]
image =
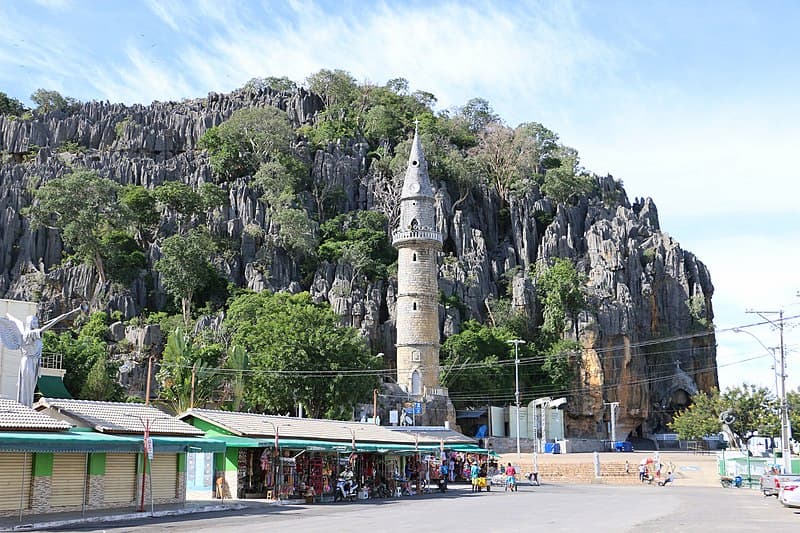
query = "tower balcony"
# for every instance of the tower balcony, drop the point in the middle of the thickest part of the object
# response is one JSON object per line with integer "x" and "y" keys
{"x": 411, "y": 236}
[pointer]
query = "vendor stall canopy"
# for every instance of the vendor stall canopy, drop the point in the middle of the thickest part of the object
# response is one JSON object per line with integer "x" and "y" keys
{"x": 252, "y": 430}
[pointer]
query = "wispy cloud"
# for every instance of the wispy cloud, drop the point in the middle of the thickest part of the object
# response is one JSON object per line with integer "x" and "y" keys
{"x": 54, "y": 4}
{"x": 456, "y": 51}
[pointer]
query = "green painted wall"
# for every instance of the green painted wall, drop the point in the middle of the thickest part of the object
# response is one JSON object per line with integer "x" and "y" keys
{"x": 228, "y": 462}
{"x": 97, "y": 464}
{"x": 181, "y": 462}
{"x": 231, "y": 459}
{"x": 140, "y": 458}
{"x": 42, "y": 464}
{"x": 207, "y": 426}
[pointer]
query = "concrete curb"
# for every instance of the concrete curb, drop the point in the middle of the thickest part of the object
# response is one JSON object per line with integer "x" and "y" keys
{"x": 126, "y": 516}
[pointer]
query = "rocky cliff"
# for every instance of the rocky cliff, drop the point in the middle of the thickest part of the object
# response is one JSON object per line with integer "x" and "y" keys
{"x": 643, "y": 335}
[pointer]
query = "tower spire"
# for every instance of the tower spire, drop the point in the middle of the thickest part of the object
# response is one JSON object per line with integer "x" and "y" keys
{"x": 417, "y": 182}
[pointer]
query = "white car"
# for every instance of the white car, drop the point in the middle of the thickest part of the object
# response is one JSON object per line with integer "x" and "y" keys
{"x": 789, "y": 494}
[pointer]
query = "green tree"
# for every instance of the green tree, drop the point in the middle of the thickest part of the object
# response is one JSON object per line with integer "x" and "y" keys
{"x": 337, "y": 88}
{"x": 479, "y": 114}
{"x": 282, "y": 84}
{"x": 99, "y": 384}
{"x": 95, "y": 327}
{"x": 123, "y": 258}
{"x": 83, "y": 208}
{"x": 752, "y": 409}
{"x": 237, "y": 361}
{"x": 471, "y": 359}
{"x": 701, "y": 418}
{"x": 78, "y": 357}
{"x": 793, "y": 403}
{"x": 360, "y": 239}
{"x": 179, "y": 365}
{"x": 187, "y": 204}
{"x": 568, "y": 178}
{"x": 47, "y": 101}
{"x": 249, "y": 138}
{"x": 10, "y": 106}
{"x": 298, "y": 352}
{"x": 185, "y": 267}
{"x": 295, "y": 230}
{"x": 560, "y": 290}
{"x": 140, "y": 211}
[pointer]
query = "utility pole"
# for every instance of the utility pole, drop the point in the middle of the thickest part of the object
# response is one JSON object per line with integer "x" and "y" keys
{"x": 149, "y": 378}
{"x": 614, "y": 406}
{"x": 786, "y": 451}
{"x": 194, "y": 375}
{"x": 516, "y": 343}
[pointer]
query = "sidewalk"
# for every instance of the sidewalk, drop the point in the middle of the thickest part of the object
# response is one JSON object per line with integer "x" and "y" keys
{"x": 43, "y": 521}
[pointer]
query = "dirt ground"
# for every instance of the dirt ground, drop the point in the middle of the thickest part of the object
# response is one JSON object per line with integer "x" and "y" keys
{"x": 690, "y": 469}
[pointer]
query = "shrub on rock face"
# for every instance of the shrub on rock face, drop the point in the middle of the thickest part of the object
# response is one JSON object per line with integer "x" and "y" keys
{"x": 47, "y": 101}
{"x": 250, "y": 137}
{"x": 10, "y": 106}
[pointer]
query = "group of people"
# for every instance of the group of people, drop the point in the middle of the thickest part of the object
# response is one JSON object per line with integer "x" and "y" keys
{"x": 480, "y": 474}
{"x": 646, "y": 476}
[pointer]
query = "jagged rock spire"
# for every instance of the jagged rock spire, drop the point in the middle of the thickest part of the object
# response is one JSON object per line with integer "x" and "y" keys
{"x": 417, "y": 182}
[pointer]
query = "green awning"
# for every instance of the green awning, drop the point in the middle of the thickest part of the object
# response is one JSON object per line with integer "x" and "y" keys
{"x": 52, "y": 387}
{"x": 187, "y": 444}
{"x": 67, "y": 441}
{"x": 233, "y": 441}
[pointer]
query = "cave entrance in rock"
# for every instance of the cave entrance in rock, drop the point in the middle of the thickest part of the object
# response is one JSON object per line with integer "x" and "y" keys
{"x": 679, "y": 400}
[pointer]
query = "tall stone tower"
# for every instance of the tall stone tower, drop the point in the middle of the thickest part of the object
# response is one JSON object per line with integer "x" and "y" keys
{"x": 417, "y": 242}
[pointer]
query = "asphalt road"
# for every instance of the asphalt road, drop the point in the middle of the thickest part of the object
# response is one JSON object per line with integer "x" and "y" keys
{"x": 551, "y": 508}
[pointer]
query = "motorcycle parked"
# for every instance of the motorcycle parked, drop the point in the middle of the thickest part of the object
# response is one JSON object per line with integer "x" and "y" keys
{"x": 533, "y": 478}
{"x": 442, "y": 484}
{"x": 346, "y": 489}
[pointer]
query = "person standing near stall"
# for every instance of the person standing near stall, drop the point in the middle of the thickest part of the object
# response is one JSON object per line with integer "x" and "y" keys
{"x": 474, "y": 474}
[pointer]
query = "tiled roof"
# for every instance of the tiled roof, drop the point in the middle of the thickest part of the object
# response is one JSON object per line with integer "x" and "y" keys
{"x": 118, "y": 417}
{"x": 433, "y": 434}
{"x": 257, "y": 425}
{"x": 15, "y": 416}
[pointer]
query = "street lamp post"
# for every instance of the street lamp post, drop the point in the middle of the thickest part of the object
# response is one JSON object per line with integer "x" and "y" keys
{"x": 516, "y": 343}
{"x": 786, "y": 450}
{"x": 375, "y": 398}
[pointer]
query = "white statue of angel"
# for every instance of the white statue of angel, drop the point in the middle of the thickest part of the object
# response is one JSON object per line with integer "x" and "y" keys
{"x": 27, "y": 337}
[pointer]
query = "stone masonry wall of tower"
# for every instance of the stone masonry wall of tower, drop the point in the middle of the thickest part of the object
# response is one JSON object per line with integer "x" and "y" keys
{"x": 418, "y": 244}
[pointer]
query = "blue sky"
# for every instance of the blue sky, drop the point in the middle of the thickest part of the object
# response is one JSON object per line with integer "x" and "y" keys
{"x": 691, "y": 103}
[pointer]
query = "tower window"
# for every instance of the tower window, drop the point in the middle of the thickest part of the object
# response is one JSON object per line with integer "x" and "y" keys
{"x": 414, "y": 163}
{"x": 414, "y": 306}
{"x": 414, "y": 224}
{"x": 414, "y": 257}
{"x": 416, "y": 383}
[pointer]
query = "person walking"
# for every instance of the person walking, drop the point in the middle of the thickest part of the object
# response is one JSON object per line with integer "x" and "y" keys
{"x": 474, "y": 474}
{"x": 511, "y": 480}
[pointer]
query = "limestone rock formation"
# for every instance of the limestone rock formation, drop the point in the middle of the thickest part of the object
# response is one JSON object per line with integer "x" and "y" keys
{"x": 643, "y": 287}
